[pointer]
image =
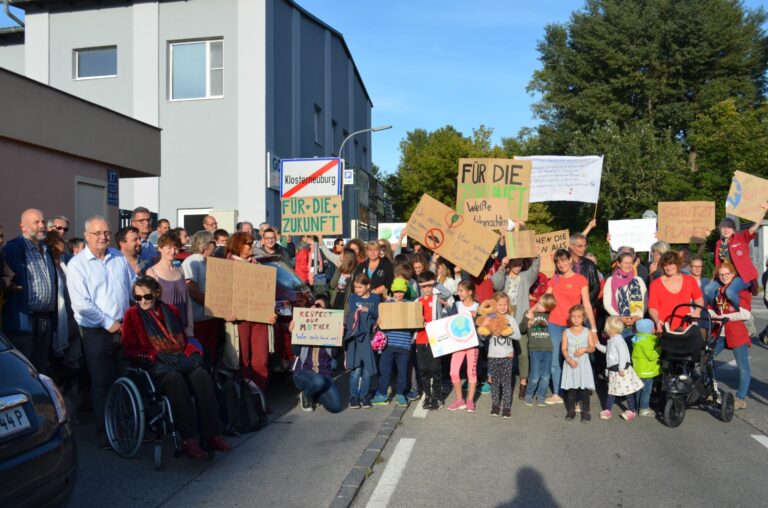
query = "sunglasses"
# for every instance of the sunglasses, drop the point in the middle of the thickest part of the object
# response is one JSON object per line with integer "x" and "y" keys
{"x": 249, "y": 244}
{"x": 61, "y": 228}
{"x": 147, "y": 298}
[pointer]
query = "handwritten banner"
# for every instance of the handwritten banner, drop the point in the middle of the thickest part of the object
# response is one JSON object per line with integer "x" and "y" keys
{"x": 313, "y": 215}
{"x": 563, "y": 178}
{"x": 451, "y": 334}
{"x": 441, "y": 229}
{"x": 240, "y": 289}
{"x": 548, "y": 244}
{"x": 491, "y": 191}
{"x": 401, "y": 316}
{"x": 686, "y": 221}
{"x": 521, "y": 244}
{"x": 317, "y": 327}
{"x": 746, "y": 195}
{"x": 639, "y": 234}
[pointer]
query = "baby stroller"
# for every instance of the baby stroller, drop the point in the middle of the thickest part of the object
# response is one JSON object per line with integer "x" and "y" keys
{"x": 687, "y": 368}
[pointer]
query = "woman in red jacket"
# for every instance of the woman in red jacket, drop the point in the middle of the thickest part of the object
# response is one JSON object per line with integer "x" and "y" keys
{"x": 152, "y": 334}
{"x": 734, "y": 334}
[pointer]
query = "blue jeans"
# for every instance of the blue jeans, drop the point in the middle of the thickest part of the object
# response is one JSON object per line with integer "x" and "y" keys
{"x": 540, "y": 372}
{"x": 610, "y": 399}
{"x": 556, "y": 336}
{"x": 644, "y": 395}
{"x": 732, "y": 293}
{"x": 319, "y": 387}
{"x": 741, "y": 355}
{"x": 399, "y": 357}
{"x": 359, "y": 382}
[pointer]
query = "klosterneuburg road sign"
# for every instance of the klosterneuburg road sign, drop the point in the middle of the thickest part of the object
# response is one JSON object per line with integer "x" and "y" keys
{"x": 310, "y": 177}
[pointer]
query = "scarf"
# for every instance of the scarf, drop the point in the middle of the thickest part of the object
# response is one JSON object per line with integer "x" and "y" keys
{"x": 619, "y": 279}
{"x": 166, "y": 335}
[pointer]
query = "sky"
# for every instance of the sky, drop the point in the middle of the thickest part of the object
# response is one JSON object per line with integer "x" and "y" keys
{"x": 431, "y": 63}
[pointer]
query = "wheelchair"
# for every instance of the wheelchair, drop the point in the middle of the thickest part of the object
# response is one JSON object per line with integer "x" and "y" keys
{"x": 134, "y": 406}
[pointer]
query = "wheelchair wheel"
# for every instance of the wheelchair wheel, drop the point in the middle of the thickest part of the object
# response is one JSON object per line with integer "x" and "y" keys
{"x": 124, "y": 417}
{"x": 674, "y": 412}
{"x": 726, "y": 406}
{"x": 158, "y": 455}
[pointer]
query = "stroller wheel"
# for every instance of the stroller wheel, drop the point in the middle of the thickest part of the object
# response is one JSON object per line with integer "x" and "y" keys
{"x": 674, "y": 412}
{"x": 726, "y": 406}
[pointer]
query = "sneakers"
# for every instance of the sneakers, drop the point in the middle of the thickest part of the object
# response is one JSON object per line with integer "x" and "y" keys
{"x": 470, "y": 406}
{"x": 553, "y": 399}
{"x": 192, "y": 449}
{"x": 739, "y": 403}
{"x": 412, "y": 395}
{"x": 646, "y": 411}
{"x": 401, "y": 401}
{"x": 529, "y": 402}
{"x": 606, "y": 414}
{"x": 485, "y": 388}
{"x": 457, "y": 404}
{"x": 427, "y": 402}
{"x": 365, "y": 403}
{"x": 219, "y": 444}
{"x": 434, "y": 404}
{"x": 506, "y": 413}
{"x": 586, "y": 417}
{"x": 541, "y": 403}
{"x": 628, "y": 415}
{"x": 495, "y": 411}
{"x": 306, "y": 403}
{"x": 354, "y": 403}
{"x": 380, "y": 400}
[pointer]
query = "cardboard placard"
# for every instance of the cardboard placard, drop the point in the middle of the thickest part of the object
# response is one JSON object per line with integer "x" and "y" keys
{"x": 451, "y": 334}
{"x": 686, "y": 221}
{"x": 490, "y": 191}
{"x": 565, "y": 178}
{"x": 639, "y": 234}
{"x": 242, "y": 289}
{"x": 548, "y": 244}
{"x": 401, "y": 316}
{"x": 440, "y": 229}
{"x": 313, "y": 215}
{"x": 521, "y": 244}
{"x": 317, "y": 327}
{"x": 746, "y": 195}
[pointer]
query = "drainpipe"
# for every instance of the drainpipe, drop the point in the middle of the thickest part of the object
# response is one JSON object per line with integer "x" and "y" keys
{"x": 11, "y": 15}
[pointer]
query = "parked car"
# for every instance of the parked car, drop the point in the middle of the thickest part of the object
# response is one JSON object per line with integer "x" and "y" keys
{"x": 38, "y": 460}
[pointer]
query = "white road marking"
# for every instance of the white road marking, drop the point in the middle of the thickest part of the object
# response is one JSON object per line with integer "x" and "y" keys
{"x": 763, "y": 440}
{"x": 420, "y": 412}
{"x": 392, "y": 473}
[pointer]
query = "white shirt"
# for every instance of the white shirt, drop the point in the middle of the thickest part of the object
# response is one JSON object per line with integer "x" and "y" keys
{"x": 194, "y": 270}
{"x": 99, "y": 289}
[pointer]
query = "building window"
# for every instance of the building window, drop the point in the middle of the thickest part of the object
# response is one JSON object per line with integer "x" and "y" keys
{"x": 93, "y": 63}
{"x": 318, "y": 124}
{"x": 334, "y": 136}
{"x": 197, "y": 70}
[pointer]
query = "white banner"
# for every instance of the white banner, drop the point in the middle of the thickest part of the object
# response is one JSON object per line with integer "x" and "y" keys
{"x": 564, "y": 178}
{"x": 639, "y": 234}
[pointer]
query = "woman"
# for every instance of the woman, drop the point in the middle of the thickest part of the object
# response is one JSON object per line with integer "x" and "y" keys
{"x": 444, "y": 273}
{"x": 569, "y": 288}
{"x": 624, "y": 293}
{"x": 734, "y": 334}
{"x": 658, "y": 249}
{"x": 341, "y": 282}
{"x": 378, "y": 269}
{"x": 696, "y": 265}
{"x": 152, "y": 333}
{"x": 254, "y": 337}
{"x": 171, "y": 279}
{"x": 358, "y": 247}
{"x": 671, "y": 289}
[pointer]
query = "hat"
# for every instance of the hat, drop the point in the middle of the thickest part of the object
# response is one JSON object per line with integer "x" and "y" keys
{"x": 644, "y": 326}
{"x": 399, "y": 285}
{"x": 728, "y": 223}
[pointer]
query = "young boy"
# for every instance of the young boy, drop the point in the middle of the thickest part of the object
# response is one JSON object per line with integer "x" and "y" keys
{"x": 430, "y": 368}
{"x": 398, "y": 351}
{"x": 645, "y": 361}
{"x": 539, "y": 349}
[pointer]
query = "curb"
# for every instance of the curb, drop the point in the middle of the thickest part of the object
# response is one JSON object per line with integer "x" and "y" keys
{"x": 362, "y": 468}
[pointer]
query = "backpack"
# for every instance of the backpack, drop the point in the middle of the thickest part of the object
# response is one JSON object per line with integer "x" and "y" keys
{"x": 242, "y": 404}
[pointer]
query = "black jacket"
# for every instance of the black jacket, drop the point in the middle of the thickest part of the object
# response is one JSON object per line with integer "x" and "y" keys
{"x": 589, "y": 270}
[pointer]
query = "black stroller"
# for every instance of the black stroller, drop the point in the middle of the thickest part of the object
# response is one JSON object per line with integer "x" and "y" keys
{"x": 687, "y": 368}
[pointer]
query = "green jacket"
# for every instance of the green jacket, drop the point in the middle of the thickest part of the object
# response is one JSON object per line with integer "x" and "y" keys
{"x": 645, "y": 355}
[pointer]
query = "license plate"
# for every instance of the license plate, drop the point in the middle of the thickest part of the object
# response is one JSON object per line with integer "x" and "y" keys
{"x": 13, "y": 420}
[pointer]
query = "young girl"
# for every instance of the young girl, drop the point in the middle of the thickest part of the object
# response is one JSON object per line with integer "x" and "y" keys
{"x": 622, "y": 380}
{"x": 540, "y": 350}
{"x": 577, "y": 372}
{"x": 467, "y": 306}
{"x": 360, "y": 358}
{"x": 501, "y": 352}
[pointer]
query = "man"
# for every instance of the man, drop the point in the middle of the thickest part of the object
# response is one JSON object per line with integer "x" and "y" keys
{"x": 128, "y": 241}
{"x": 184, "y": 252}
{"x": 28, "y": 313}
{"x": 60, "y": 224}
{"x": 141, "y": 220}
{"x": 163, "y": 226}
{"x": 220, "y": 237}
{"x": 270, "y": 247}
{"x": 244, "y": 227}
{"x": 209, "y": 223}
{"x": 582, "y": 265}
{"x": 99, "y": 282}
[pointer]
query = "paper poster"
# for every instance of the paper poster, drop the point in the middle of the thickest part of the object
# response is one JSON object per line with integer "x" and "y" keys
{"x": 564, "y": 178}
{"x": 391, "y": 231}
{"x": 401, "y": 316}
{"x": 454, "y": 333}
{"x": 491, "y": 191}
{"x": 746, "y": 195}
{"x": 548, "y": 244}
{"x": 440, "y": 229}
{"x": 639, "y": 234}
{"x": 242, "y": 289}
{"x": 317, "y": 327}
{"x": 314, "y": 215}
{"x": 686, "y": 221}
{"x": 521, "y": 244}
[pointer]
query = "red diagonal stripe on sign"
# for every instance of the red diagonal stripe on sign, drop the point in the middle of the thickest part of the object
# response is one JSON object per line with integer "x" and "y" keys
{"x": 311, "y": 178}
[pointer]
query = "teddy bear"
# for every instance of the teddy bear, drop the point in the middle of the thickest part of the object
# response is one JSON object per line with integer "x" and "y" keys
{"x": 489, "y": 323}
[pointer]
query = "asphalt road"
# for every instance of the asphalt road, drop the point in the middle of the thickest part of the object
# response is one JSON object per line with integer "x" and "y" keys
{"x": 448, "y": 459}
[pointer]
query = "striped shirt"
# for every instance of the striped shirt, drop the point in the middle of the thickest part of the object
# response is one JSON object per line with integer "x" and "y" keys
{"x": 41, "y": 276}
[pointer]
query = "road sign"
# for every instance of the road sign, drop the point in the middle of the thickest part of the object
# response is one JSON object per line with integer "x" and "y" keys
{"x": 349, "y": 177}
{"x": 310, "y": 177}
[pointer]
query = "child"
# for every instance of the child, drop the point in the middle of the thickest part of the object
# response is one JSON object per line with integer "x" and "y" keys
{"x": 577, "y": 378}
{"x": 501, "y": 352}
{"x": 539, "y": 349}
{"x": 398, "y": 351}
{"x": 360, "y": 358}
{"x": 622, "y": 380}
{"x": 467, "y": 306}
{"x": 645, "y": 359}
{"x": 430, "y": 368}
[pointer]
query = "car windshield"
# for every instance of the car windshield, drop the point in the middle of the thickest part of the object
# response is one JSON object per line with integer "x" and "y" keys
{"x": 285, "y": 276}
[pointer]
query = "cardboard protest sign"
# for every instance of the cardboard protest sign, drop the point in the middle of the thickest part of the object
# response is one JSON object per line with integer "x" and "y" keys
{"x": 521, "y": 244}
{"x": 313, "y": 215}
{"x": 639, "y": 234}
{"x": 746, "y": 195}
{"x": 441, "y": 229}
{"x": 490, "y": 191}
{"x": 564, "y": 178}
{"x": 454, "y": 333}
{"x": 401, "y": 316}
{"x": 685, "y": 221}
{"x": 317, "y": 327}
{"x": 244, "y": 290}
{"x": 548, "y": 244}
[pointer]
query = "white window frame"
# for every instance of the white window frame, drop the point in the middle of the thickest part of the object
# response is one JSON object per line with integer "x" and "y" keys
{"x": 208, "y": 69}
{"x": 75, "y": 55}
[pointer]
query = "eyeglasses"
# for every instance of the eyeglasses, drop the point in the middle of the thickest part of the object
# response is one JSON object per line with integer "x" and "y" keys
{"x": 105, "y": 234}
{"x": 270, "y": 238}
{"x": 146, "y": 298}
{"x": 61, "y": 228}
{"x": 726, "y": 274}
{"x": 142, "y": 220}
{"x": 697, "y": 266}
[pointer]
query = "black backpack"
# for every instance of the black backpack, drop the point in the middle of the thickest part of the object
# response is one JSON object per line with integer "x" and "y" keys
{"x": 242, "y": 404}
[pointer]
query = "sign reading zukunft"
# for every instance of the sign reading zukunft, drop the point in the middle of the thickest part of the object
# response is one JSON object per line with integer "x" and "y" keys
{"x": 491, "y": 191}
{"x": 310, "y": 196}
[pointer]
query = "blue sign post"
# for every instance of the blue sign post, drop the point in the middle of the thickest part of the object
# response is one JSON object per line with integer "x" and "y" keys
{"x": 113, "y": 188}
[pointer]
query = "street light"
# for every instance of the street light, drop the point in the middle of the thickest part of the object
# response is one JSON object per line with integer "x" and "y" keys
{"x": 372, "y": 129}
